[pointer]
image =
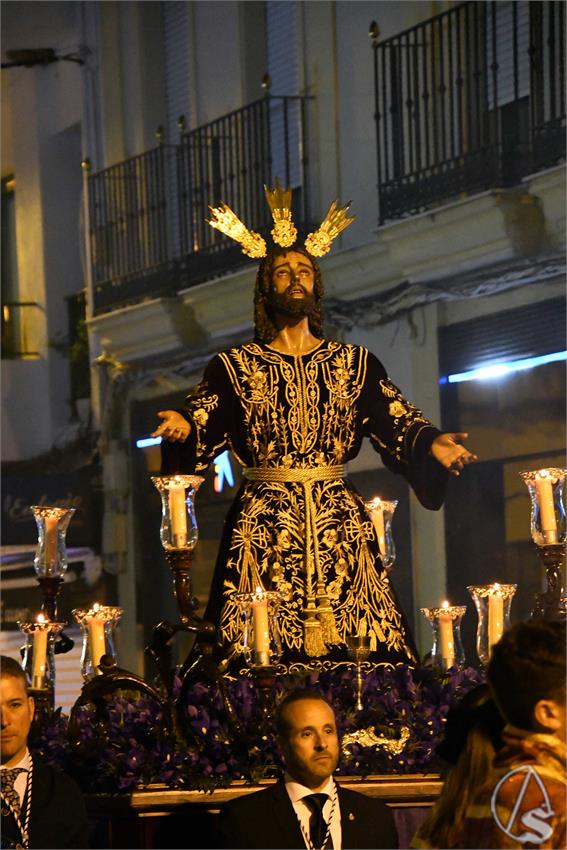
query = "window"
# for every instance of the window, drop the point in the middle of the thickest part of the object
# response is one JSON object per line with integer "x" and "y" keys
{"x": 9, "y": 258}
{"x": 19, "y": 319}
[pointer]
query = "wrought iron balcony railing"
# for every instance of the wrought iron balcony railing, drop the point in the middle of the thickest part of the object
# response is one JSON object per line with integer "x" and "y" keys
{"x": 148, "y": 231}
{"x": 471, "y": 99}
{"x": 129, "y": 216}
{"x": 20, "y": 329}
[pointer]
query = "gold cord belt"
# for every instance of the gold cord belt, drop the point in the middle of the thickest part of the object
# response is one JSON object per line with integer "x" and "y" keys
{"x": 303, "y": 476}
{"x": 319, "y": 626}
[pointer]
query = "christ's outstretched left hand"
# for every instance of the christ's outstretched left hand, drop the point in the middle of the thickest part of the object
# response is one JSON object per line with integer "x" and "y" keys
{"x": 447, "y": 449}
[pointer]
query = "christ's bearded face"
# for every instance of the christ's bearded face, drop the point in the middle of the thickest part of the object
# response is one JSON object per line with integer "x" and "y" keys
{"x": 293, "y": 279}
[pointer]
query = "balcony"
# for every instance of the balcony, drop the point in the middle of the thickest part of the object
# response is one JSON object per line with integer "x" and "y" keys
{"x": 472, "y": 99}
{"x": 147, "y": 229}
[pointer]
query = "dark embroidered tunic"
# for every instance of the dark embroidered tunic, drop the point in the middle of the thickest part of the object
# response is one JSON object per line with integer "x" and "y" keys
{"x": 291, "y": 412}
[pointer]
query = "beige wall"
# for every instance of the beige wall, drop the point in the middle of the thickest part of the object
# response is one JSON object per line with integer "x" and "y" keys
{"x": 42, "y": 148}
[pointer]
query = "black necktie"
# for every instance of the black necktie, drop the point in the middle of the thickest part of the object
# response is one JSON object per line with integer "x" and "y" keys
{"x": 8, "y": 776}
{"x": 317, "y": 824}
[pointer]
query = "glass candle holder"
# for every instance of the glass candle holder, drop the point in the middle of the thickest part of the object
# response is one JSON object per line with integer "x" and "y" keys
{"x": 381, "y": 512}
{"x": 447, "y": 650}
{"x": 39, "y": 652}
{"x": 51, "y": 553}
{"x": 545, "y": 487}
{"x": 261, "y": 642}
{"x": 492, "y": 603}
{"x": 97, "y": 626}
{"x": 178, "y": 530}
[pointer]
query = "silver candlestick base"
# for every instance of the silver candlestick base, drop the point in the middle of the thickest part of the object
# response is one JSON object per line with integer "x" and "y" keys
{"x": 358, "y": 649}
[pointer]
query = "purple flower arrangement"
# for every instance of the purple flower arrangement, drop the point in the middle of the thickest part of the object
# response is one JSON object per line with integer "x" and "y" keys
{"x": 127, "y": 743}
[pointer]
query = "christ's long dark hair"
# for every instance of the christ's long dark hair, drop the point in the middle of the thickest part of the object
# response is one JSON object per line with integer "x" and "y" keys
{"x": 265, "y": 329}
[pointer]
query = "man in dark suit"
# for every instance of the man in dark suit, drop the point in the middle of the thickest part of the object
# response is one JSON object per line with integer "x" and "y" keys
{"x": 41, "y": 807}
{"x": 307, "y": 809}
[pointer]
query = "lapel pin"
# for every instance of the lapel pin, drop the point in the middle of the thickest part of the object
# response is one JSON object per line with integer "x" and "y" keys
{"x": 350, "y": 816}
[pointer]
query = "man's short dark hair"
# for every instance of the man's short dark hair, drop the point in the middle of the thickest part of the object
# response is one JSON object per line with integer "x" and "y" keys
{"x": 297, "y": 695}
{"x": 527, "y": 665}
{"x": 9, "y": 667}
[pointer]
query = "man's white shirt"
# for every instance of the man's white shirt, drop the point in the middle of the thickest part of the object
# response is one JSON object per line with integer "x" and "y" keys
{"x": 296, "y": 792}
{"x": 21, "y": 782}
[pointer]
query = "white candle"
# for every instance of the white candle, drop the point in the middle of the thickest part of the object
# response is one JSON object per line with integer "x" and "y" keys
{"x": 39, "y": 659}
{"x": 50, "y": 543}
{"x": 97, "y": 642}
{"x": 178, "y": 515}
{"x": 261, "y": 629}
{"x": 544, "y": 490}
{"x": 446, "y": 639}
{"x": 495, "y": 616}
{"x": 377, "y": 510}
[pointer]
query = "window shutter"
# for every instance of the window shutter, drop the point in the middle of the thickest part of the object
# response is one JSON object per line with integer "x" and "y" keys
{"x": 177, "y": 78}
{"x": 177, "y": 72}
{"x": 500, "y": 17}
{"x": 282, "y": 26}
{"x": 528, "y": 331}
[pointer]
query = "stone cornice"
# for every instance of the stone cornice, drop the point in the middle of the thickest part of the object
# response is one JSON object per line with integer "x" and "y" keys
{"x": 472, "y": 247}
{"x": 378, "y": 308}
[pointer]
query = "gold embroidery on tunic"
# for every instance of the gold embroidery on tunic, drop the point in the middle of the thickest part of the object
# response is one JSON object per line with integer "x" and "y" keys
{"x": 301, "y": 412}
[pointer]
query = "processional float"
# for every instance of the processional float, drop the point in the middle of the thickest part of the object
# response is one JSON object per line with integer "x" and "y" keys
{"x": 260, "y": 642}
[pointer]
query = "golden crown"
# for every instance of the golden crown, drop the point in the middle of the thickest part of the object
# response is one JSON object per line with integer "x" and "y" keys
{"x": 284, "y": 231}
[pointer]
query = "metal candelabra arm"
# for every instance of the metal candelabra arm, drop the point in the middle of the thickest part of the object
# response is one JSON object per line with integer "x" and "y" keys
{"x": 204, "y": 665}
{"x": 50, "y": 587}
{"x": 113, "y": 678}
{"x": 159, "y": 649}
{"x": 548, "y": 604}
{"x": 63, "y": 644}
{"x": 44, "y": 706}
{"x": 180, "y": 561}
{"x": 265, "y": 679}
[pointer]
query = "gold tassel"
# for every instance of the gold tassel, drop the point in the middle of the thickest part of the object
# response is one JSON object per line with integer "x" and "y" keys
{"x": 326, "y": 616}
{"x": 313, "y": 642}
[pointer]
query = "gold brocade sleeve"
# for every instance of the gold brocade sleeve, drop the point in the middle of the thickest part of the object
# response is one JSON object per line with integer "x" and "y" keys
{"x": 210, "y": 407}
{"x": 402, "y": 435}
